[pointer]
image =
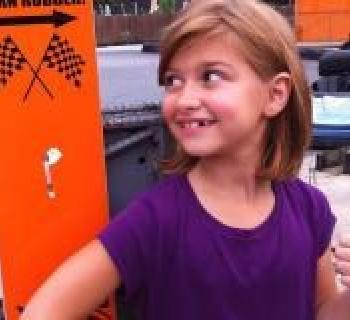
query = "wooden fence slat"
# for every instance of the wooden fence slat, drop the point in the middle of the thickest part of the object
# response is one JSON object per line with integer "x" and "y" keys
{"x": 118, "y": 29}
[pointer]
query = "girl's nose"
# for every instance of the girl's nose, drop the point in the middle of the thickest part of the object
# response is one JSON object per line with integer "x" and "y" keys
{"x": 189, "y": 98}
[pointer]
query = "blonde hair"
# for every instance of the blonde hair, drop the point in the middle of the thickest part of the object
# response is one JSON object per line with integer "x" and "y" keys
{"x": 267, "y": 43}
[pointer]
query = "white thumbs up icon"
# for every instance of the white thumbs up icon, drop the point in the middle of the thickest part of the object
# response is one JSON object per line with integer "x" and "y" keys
{"x": 51, "y": 157}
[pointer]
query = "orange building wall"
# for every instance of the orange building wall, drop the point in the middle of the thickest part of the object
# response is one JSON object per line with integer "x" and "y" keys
{"x": 322, "y": 20}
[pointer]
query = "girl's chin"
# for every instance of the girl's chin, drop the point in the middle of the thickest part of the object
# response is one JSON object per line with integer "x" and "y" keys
{"x": 199, "y": 151}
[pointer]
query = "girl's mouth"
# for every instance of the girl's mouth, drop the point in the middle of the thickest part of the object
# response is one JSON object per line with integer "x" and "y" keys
{"x": 189, "y": 124}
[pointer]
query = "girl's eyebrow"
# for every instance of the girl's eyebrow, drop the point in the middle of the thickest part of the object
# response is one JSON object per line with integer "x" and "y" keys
{"x": 203, "y": 65}
{"x": 171, "y": 70}
{"x": 209, "y": 64}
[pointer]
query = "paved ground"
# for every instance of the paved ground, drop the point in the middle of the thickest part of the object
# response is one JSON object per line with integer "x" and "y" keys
{"x": 336, "y": 186}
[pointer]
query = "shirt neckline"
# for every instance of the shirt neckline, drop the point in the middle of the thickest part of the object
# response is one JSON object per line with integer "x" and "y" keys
{"x": 227, "y": 230}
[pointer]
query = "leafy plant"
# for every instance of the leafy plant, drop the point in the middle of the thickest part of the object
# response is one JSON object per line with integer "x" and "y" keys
{"x": 167, "y": 6}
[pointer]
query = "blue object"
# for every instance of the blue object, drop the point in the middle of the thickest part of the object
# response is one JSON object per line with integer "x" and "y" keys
{"x": 330, "y": 135}
{"x": 331, "y": 121}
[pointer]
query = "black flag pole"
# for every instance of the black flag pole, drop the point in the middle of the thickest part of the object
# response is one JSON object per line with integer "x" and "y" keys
{"x": 36, "y": 72}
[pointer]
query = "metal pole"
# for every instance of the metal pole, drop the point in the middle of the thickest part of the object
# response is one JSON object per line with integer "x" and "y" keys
{"x": 123, "y": 8}
{"x": 154, "y": 5}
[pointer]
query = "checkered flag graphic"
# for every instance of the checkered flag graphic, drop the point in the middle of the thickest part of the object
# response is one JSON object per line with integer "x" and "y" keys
{"x": 11, "y": 60}
{"x": 63, "y": 57}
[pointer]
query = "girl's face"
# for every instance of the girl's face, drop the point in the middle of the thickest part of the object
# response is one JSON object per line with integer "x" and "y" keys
{"x": 214, "y": 102}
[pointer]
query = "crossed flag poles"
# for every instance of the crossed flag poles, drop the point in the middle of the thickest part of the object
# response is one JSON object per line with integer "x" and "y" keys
{"x": 58, "y": 54}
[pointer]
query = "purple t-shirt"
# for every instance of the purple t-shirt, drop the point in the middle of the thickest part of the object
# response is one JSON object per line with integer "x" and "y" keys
{"x": 178, "y": 262}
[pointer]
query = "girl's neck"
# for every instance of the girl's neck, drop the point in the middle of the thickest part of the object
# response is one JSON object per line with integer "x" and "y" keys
{"x": 229, "y": 176}
{"x": 232, "y": 194}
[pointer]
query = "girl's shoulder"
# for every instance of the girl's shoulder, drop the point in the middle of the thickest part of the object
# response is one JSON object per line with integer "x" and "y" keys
{"x": 305, "y": 201}
{"x": 297, "y": 190}
{"x": 161, "y": 200}
{"x": 167, "y": 190}
{"x": 150, "y": 212}
{"x": 309, "y": 204}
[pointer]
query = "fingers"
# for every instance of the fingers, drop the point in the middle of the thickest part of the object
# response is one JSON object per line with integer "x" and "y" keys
{"x": 341, "y": 259}
{"x": 344, "y": 241}
{"x": 342, "y": 253}
{"x": 342, "y": 267}
{"x": 345, "y": 281}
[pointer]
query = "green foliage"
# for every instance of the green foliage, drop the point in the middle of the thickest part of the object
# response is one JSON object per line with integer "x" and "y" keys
{"x": 167, "y": 6}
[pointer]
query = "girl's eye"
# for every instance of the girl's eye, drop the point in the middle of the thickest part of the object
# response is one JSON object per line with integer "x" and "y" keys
{"x": 172, "y": 81}
{"x": 212, "y": 75}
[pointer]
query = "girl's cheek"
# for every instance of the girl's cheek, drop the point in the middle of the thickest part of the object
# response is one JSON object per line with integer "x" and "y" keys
{"x": 167, "y": 109}
{"x": 222, "y": 106}
{"x": 166, "y": 112}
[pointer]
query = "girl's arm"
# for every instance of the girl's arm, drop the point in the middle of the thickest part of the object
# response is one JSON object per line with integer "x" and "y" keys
{"x": 77, "y": 288}
{"x": 331, "y": 304}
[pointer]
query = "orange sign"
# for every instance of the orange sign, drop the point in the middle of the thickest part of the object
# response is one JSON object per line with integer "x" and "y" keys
{"x": 325, "y": 20}
{"x": 53, "y": 190}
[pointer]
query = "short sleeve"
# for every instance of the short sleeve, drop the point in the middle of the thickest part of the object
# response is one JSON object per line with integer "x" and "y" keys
{"x": 129, "y": 240}
{"x": 325, "y": 223}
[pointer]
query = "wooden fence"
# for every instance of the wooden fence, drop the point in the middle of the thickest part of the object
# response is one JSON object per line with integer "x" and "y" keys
{"x": 129, "y": 29}
{"x": 118, "y": 29}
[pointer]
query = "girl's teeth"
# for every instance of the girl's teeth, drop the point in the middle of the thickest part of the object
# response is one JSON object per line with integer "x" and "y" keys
{"x": 196, "y": 124}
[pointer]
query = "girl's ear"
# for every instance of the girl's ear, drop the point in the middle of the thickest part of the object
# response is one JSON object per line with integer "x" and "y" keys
{"x": 279, "y": 92}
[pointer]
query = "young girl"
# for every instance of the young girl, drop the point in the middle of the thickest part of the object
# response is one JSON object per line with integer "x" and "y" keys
{"x": 231, "y": 233}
